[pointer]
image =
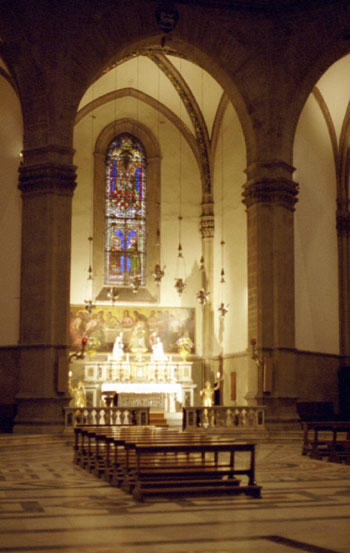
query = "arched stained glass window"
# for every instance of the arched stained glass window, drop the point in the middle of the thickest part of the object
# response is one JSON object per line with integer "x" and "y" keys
{"x": 125, "y": 211}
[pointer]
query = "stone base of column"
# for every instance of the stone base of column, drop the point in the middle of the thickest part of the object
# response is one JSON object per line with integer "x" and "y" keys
{"x": 40, "y": 415}
{"x": 281, "y": 413}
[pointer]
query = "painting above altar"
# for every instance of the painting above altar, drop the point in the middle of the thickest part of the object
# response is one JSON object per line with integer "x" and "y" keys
{"x": 105, "y": 324}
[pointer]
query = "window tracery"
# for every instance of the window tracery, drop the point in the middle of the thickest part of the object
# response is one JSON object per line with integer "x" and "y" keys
{"x": 125, "y": 211}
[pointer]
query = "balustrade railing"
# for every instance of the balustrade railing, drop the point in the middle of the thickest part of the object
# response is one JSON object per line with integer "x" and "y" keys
{"x": 96, "y": 416}
{"x": 239, "y": 418}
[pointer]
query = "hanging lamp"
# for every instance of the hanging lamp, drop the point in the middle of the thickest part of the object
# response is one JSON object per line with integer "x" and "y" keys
{"x": 180, "y": 284}
{"x": 89, "y": 303}
{"x": 223, "y": 307}
{"x": 158, "y": 271}
{"x": 113, "y": 294}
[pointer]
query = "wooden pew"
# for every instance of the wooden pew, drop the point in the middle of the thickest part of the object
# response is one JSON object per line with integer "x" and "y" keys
{"x": 148, "y": 461}
{"x": 94, "y": 445}
{"x": 127, "y": 463}
{"x": 327, "y": 439}
{"x": 212, "y": 470}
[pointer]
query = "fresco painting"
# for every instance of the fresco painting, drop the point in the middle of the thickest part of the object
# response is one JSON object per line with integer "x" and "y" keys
{"x": 105, "y": 323}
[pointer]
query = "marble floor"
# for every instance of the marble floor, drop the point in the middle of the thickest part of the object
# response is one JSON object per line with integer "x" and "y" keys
{"x": 47, "y": 504}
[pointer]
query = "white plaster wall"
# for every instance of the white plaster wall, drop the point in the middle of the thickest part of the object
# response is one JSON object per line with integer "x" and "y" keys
{"x": 204, "y": 88}
{"x": 180, "y": 176}
{"x": 141, "y": 74}
{"x": 84, "y": 136}
{"x": 316, "y": 265}
{"x": 334, "y": 86}
{"x": 10, "y": 213}
{"x": 231, "y": 333}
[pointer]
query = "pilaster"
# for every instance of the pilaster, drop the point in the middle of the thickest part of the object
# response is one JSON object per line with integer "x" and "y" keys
{"x": 47, "y": 189}
{"x": 270, "y": 195}
{"x": 207, "y": 234}
{"x": 343, "y": 231}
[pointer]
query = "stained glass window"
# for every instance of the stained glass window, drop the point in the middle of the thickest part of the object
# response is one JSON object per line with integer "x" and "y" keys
{"x": 125, "y": 211}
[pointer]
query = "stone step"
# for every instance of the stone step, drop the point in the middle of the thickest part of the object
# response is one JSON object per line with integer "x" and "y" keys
{"x": 157, "y": 418}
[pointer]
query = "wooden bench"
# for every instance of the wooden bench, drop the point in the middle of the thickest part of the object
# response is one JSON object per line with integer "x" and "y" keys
{"x": 109, "y": 454}
{"x": 93, "y": 447}
{"x": 327, "y": 439}
{"x": 149, "y": 461}
{"x": 127, "y": 463}
{"x": 210, "y": 470}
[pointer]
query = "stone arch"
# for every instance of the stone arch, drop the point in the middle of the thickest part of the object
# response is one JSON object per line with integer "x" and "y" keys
{"x": 237, "y": 94}
{"x": 111, "y": 96}
{"x": 305, "y": 87}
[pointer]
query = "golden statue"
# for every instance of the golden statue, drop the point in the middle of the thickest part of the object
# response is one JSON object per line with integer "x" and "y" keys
{"x": 77, "y": 393}
{"x": 207, "y": 393}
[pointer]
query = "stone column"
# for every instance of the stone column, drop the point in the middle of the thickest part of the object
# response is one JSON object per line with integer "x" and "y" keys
{"x": 47, "y": 187}
{"x": 343, "y": 229}
{"x": 207, "y": 233}
{"x": 270, "y": 196}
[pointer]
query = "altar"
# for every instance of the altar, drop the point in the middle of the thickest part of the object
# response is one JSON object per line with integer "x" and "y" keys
{"x": 166, "y": 396}
{"x": 166, "y": 385}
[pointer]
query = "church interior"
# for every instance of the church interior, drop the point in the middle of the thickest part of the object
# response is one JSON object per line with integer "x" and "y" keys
{"x": 175, "y": 243}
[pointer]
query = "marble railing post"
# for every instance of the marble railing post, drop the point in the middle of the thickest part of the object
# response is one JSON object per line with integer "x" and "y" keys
{"x": 270, "y": 195}
{"x": 47, "y": 182}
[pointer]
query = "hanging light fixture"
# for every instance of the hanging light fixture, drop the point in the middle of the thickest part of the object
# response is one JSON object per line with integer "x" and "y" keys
{"x": 158, "y": 271}
{"x": 89, "y": 303}
{"x": 89, "y": 306}
{"x": 180, "y": 284}
{"x": 223, "y": 307}
{"x": 113, "y": 294}
{"x": 202, "y": 296}
{"x": 136, "y": 283}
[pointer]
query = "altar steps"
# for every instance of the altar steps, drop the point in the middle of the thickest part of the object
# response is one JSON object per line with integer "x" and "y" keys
{"x": 157, "y": 418}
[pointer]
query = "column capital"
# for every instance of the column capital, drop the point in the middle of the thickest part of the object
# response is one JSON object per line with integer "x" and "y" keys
{"x": 207, "y": 220}
{"x": 47, "y": 177}
{"x": 275, "y": 190}
{"x": 270, "y": 181}
{"x": 207, "y": 226}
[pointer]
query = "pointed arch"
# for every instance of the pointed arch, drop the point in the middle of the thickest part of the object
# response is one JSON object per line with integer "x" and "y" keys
{"x": 142, "y": 135}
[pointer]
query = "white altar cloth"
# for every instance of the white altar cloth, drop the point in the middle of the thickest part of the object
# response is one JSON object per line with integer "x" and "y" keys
{"x": 144, "y": 388}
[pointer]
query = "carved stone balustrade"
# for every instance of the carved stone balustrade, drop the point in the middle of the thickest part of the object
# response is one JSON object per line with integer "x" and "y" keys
{"x": 218, "y": 417}
{"x": 98, "y": 416}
